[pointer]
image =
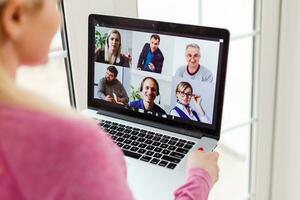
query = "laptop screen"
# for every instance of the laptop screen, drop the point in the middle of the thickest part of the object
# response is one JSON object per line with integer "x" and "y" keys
{"x": 163, "y": 72}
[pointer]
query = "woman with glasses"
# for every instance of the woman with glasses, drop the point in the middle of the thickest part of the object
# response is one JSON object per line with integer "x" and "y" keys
{"x": 182, "y": 109}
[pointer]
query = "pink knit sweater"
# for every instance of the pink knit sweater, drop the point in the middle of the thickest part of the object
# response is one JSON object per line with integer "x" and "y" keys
{"x": 45, "y": 156}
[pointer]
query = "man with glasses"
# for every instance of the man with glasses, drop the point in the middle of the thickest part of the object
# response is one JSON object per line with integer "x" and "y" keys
{"x": 182, "y": 109}
{"x": 193, "y": 69}
{"x": 111, "y": 89}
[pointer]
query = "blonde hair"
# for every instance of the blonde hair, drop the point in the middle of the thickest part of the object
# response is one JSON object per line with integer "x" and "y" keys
{"x": 107, "y": 53}
{"x": 183, "y": 86}
{"x": 33, "y": 3}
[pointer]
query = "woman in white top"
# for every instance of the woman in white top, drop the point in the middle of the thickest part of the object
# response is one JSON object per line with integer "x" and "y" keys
{"x": 182, "y": 109}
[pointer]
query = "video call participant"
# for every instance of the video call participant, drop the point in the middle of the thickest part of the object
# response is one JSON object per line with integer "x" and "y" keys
{"x": 182, "y": 109}
{"x": 112, "y": 51}
{"x": 150, "y": 90}
{"x": 151, "y": 58}
{"x": 111, "y": 89}
{"x": 193, "y": 69}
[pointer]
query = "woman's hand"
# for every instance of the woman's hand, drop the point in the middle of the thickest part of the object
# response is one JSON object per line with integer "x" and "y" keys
{"x": 207, "y": 161}
{"x": 197, "y": 99}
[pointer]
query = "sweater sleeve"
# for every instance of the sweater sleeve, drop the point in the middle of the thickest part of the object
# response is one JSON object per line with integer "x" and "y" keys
{"x": 197, "y": 186}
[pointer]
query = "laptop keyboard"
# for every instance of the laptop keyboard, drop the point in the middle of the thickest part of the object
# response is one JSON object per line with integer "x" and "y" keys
{"x": 148, "y": 146}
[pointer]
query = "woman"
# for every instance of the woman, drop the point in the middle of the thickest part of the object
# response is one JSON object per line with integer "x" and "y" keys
{"x": 47, "y": 152}
{"x": 182, "y": 109}
{"x": 112, "y": 52}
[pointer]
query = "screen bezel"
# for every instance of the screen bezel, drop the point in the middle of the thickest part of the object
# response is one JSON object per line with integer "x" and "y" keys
{"x": 174, "y": 29}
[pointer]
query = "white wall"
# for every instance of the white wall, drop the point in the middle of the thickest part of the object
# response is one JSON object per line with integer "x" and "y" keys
{"x": 77, "y": 28}
{"x": 286, "y": 164}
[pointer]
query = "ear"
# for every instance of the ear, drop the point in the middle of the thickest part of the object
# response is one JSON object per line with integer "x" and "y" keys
{"x": 13, "y": 18}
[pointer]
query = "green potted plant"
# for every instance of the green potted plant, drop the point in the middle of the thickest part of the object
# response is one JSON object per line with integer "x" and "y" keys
{"x": 100, "y": 40}
{"x": 135, "y": 94}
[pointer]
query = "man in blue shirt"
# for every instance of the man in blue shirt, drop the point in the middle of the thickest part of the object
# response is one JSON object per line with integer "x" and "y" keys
{"x": 151, "y": 58}
{"x": 150, "y": 90}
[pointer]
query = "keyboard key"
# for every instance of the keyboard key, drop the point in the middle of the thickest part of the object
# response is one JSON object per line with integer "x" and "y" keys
{"x": 149, "y": 137}
{"x": 150, "y": 133}
{"x": 172, "y": 148}
{"x": 157, "y": 155}
{"x": 156, "y": 144}
{"x": 191, "y": 143}
{"x": 174, "y": 138}
{"x": 119, "y": 134}
{"x": 166, "y": 136}
{"x": 156, "y": 138}
{"x": 163, "y": 163}
{"x": 171, "y": 166}
{"x": 164, "y": 146}
{"x": 128, "y": 127}
{"x": 120, "y": 144}
{"x": 150, "y": 148}
{"x": 134, "y": 133}
{"x": 183, "y": 141}
{"x": 148, "y": 142}
{"x": 172, "y": 142}
{"x": 134, "y": 149}
{"x": 120, "y": 129}
{"x": 177, "y": 155}
{"x": 149, "y": 153}
{"x": 113, "y": 127}
{"x": 136, "y": 129}
{"x": 158, "y": 134}
{"x": 127, "y": 141}
{"x": 135, "y": 143}
{"x": 142, "y": 135}
{"x": 163, "y": 140}
{"x": 141, "y": 151}
{"x": 157, "y": 149}
{"x": 126, "y": 146}
{"x": 154, "y": 161}
{"x": 132, "y": 154}
{"x": 141, "y": 139}
{"x": 166, "y": 152}
{"x": 179, "y": 144}
{"x": 142, "y": 131}
{"x": 133, "y": 137}
{"x": 106, "y": 125}
{"x": 181, "y": 150}
{"x": 170, "y": 159}
{"x": 112, "y": 132}
{"x": 120, "y": 139}
{"x": 187, "y": 146}
{"x": 146, "y": 158}
{"x": 142, "y": 145}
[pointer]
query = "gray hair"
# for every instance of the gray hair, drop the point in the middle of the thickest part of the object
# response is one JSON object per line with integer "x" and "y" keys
{"x": 192, "y": 45}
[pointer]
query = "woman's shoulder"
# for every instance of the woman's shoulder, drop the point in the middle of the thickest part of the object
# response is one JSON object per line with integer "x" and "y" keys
{"x": 50, "y": 133}
{"x": 27, "y": 123}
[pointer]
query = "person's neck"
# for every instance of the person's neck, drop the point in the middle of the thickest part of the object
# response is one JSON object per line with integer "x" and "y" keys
{"x": 148, "y": 106}
{"x": 113, "y": 52}
{"x": 8, "y": 61}
{"x": 193, "y": 69}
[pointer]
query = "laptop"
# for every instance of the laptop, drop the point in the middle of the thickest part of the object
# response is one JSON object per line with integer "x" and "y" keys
{"x": 157, "y": 88}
